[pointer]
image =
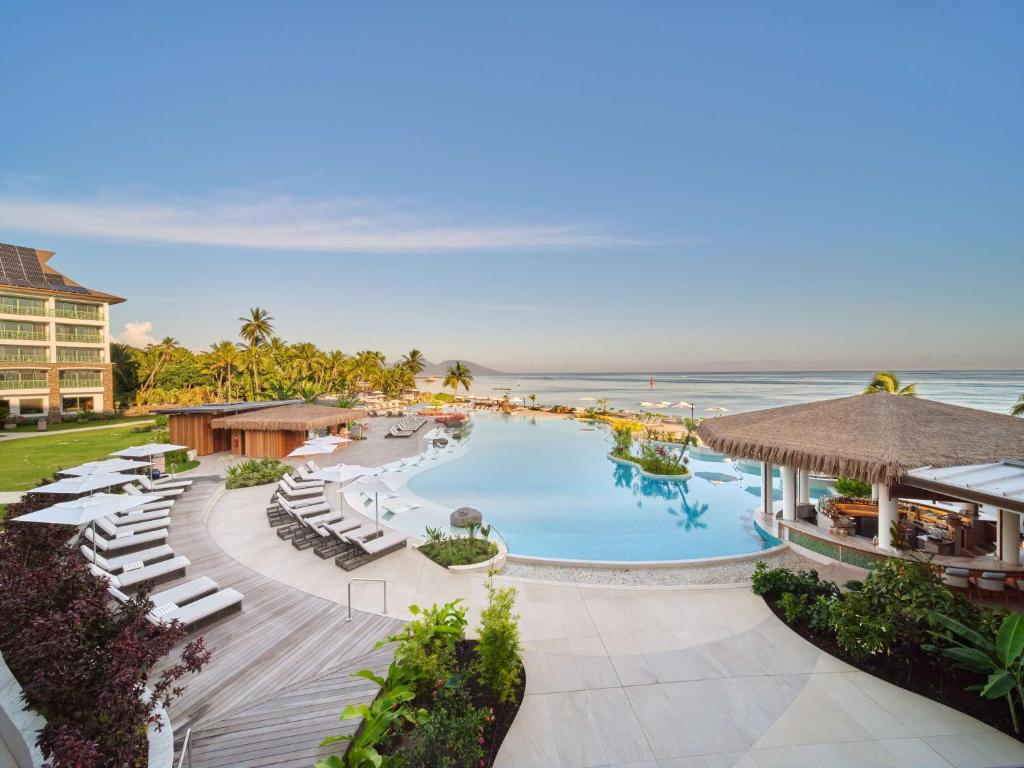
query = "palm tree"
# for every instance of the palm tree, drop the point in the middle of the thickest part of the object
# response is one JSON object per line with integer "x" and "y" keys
{"x": 533, "y": 400}
{"x": 223, "y": 360}
{"x": 456, "y": 375}
{"x": 603, "y": 405}
{"x": 125, "y": 368}
{"x": 162, "y": 354}
{"x": 1018, "y": 408}
{"x": 413, "y": 360}
{"x": 252, "y": 357}
{"x": 257, "y": 327}
{"x": 887, "y": 381}
{"x": 366, "y": 369}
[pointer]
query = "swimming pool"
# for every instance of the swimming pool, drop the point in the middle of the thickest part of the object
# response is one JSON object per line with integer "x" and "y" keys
{"x": 547, "y": 485}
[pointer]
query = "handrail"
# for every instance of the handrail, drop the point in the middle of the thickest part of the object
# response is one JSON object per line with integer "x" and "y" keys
{"x": 186, "y": 750}
{"x": 351, "y": 581}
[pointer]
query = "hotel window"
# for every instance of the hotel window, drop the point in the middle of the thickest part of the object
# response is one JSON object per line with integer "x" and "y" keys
{"x": 21, "y": 306}
{"x": 13, "y": 354}
{"x": 77, "y": 404}
{"x": 31, "y": 406}
{"x": 12, "y": 329}
{"x": 74, "y": 310}
{"x": 81, "y": 334}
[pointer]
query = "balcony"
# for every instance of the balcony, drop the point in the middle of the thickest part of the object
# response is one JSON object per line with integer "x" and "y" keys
{"x": 71, "y": 382}
{"x": 23, "y": 384}
{"x": 6, "y": 333}
{"x": 78, "y": 313}
{"x": 79, "y": 338}
{"x": 25, "y": 355}
{"x": 22, "y": 309}
{"x": 79, "y": 356}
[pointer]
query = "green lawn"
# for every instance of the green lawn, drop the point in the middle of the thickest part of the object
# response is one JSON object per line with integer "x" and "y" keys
{"x": 64, "y": 425}
{"x": 23, "y": 463}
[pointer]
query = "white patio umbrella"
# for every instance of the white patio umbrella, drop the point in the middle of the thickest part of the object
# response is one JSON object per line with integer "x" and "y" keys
{"x": 684, "y": 404}
{"x": 148, "y": 451}
{"x": 105, "y": 466}
{"x": 589, "y": 399}
{"x": 312, "y": 449}
{"x": 84, "y": 484}
{"x": 646, "y": 404}
{"x": 87, "y": 509}
{"x": 340, "y": 474}
{"x": 376, "y": 486}
{"x": 329, "y": 440}
{"x": 717, "y": 409}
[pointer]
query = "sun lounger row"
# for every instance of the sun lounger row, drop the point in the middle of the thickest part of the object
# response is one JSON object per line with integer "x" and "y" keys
{"x": 407, "y": 427}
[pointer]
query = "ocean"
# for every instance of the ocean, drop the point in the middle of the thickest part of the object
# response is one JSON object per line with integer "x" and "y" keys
{"x": 737, "y": 392}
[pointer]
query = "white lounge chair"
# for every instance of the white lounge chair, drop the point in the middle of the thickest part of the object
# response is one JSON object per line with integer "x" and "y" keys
{"x": 398, "y": 509}
{"x": 133, "y": 490}
{"x": 130, "y": 518}
{"x": 211, "y": 606}
{"x": 293, "y": 493}
{"x": 161, "y": 571}
{"x": 113, "y": 546}
{"x": 363, "y": 552}
{"x": 167, "y": 493}
{"x": 118, "y": 562}
{"x": 301, "y": 485}
{"x": 112, "y": 530}
{"x": 180, "y": 595}
{"x": 164, "y": 484}
{"x": 166, "y": 481}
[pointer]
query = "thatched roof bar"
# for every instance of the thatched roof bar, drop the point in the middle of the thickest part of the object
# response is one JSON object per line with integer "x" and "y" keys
{"x": 290, "y": 418}
{"x": 877, "y": 438}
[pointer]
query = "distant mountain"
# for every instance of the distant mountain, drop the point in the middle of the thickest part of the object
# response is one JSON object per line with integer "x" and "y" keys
{"x": 440, "y": 369}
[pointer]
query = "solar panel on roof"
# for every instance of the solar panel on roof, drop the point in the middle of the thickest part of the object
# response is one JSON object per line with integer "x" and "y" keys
{"x": 20, "y": 267}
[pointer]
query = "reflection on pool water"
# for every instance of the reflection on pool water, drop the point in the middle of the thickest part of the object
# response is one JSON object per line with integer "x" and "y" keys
{"x": 550, "y": 489}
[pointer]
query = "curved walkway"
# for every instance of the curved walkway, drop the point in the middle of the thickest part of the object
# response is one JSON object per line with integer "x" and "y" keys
{"x": 282, "y": 669}
{"x": 686, "y": 677}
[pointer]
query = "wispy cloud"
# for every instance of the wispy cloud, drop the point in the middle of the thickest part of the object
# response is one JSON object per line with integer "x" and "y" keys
{"x": 491, "y": 307}
{"x": 339, "y": 225}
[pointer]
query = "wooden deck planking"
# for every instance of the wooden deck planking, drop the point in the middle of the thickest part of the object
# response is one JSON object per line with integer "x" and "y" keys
{"x": 282, "y": 668}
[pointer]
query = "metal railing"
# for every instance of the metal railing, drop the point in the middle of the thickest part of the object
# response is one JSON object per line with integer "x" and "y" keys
{"x": 380, "y": 581}
{"x": 7, "y": 333}
{"x": 20, "y": 357}
{"x": 79, "y": 338}
{"x": 185, "y": 756}
{"x": 23, "y": 384}
{"x": 81, "y": 381}
{"x": 67, "y": 314}
{"x": 79, "y": 356}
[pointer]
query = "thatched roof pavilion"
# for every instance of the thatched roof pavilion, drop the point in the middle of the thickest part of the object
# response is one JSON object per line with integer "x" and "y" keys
{"x": 276, "y": 431}
{"x": 876, "y": 437}
{"x": 298, "y": 417}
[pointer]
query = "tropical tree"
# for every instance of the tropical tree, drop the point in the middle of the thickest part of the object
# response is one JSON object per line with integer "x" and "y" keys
{"x": 1018, "y": 408}
{"x": 222, "y": 361}
{"x": 252, "y": 361}
{"x": 603, "y": 405}
{"x": 887, "y": 381}
{"x": 396, "y": 378}
{"x": 160, "y": 354}
{"x": 257, "y": 328}
{"x": 125, "y": 368}
{"x": 456, "y": 375}
{"x": 533, "y": 400}
{"x": 366, "y": 369}
{"x": 414, "y": 361}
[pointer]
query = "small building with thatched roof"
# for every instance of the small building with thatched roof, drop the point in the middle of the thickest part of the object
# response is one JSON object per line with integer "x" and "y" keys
{"x": 191, "y": 424}
{"x": 277, "y": 431}
{"x": 877, "y": 438}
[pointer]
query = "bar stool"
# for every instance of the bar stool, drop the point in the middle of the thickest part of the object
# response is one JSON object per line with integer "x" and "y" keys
{"x": 957, "y": 579}
{"x": 992, "y": 582}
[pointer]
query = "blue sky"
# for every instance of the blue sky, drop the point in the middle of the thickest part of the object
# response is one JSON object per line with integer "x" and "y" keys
{"x": 589, "y": 186}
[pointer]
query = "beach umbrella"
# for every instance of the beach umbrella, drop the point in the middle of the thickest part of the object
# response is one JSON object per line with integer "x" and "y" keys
{"x": 717, "y": 409}
{"x": 87, "y": 509}
{"x": 589, "y": 399}
{"x": 341, "y": 473}
{"x": 684, "y": 404}
{"x": 329, "y": 440}
{"x": 312, "y": 449}
{"x": 83, "y": 484}
{"x": 376, "y": 486}
{"x": 103, "y": 467}
{"x": 663, "y": 404}
{"x": 149, "y": 450}
{"x": 646, "y": 404}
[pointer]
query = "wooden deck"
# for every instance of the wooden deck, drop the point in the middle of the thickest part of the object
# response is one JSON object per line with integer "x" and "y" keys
{"x": 282, "y": 669}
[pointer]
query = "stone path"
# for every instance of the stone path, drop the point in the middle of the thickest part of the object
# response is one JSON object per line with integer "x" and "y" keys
{"x": 25, "y": 435}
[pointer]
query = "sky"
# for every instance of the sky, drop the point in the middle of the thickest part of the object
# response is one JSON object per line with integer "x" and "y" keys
{"x": 573, "y": 186}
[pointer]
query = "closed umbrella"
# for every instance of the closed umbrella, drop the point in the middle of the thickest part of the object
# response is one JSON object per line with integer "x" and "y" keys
{"x": 87, "y": 509}
{"x": 105, "y": 466}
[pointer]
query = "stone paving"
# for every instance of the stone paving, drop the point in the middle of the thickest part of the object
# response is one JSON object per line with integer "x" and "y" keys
{"x": 663, "y": 677}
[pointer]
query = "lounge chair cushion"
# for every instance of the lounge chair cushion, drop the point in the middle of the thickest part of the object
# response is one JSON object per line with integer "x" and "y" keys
{"x": 993, "y": 575}
{"x": 382, "y": 542}
{"x": 124, "y": 542}
{"x": 202, "y": 608}
{"x": 114, "y": 564}
{"x": 150, "y": 572}
{"x": 957, "y": 571}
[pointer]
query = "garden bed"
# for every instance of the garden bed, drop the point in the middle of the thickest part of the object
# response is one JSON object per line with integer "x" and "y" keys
{"x": 908, "y": 665}
{"x": 460, "y": 551}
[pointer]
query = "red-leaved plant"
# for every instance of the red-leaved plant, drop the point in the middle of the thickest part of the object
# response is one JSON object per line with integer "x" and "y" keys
{"x": 83, "y": 664}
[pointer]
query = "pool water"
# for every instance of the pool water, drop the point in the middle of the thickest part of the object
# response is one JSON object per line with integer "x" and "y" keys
{"x": 548, "y": 486}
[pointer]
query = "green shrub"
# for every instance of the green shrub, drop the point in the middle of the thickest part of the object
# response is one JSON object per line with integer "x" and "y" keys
{"x": 794, "y": 607}
{"x": 460, "y": 551}
{"x": 256, "y": 472}
{"x": 450, "y": 736}
{"x": 819, "y": 616}
{"x": 623, "y": 436}
{"x": 773, "y": 583}
{"x": 499, "y": 659}
{"x": 426, "y": 645}
{"x": 852, "y": 488}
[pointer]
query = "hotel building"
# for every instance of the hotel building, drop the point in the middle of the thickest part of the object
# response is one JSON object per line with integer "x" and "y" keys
{"x": 54, "y": 339}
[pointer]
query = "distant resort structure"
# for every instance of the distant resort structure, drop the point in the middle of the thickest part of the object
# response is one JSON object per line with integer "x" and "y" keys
{"x": 54, "y": 339}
